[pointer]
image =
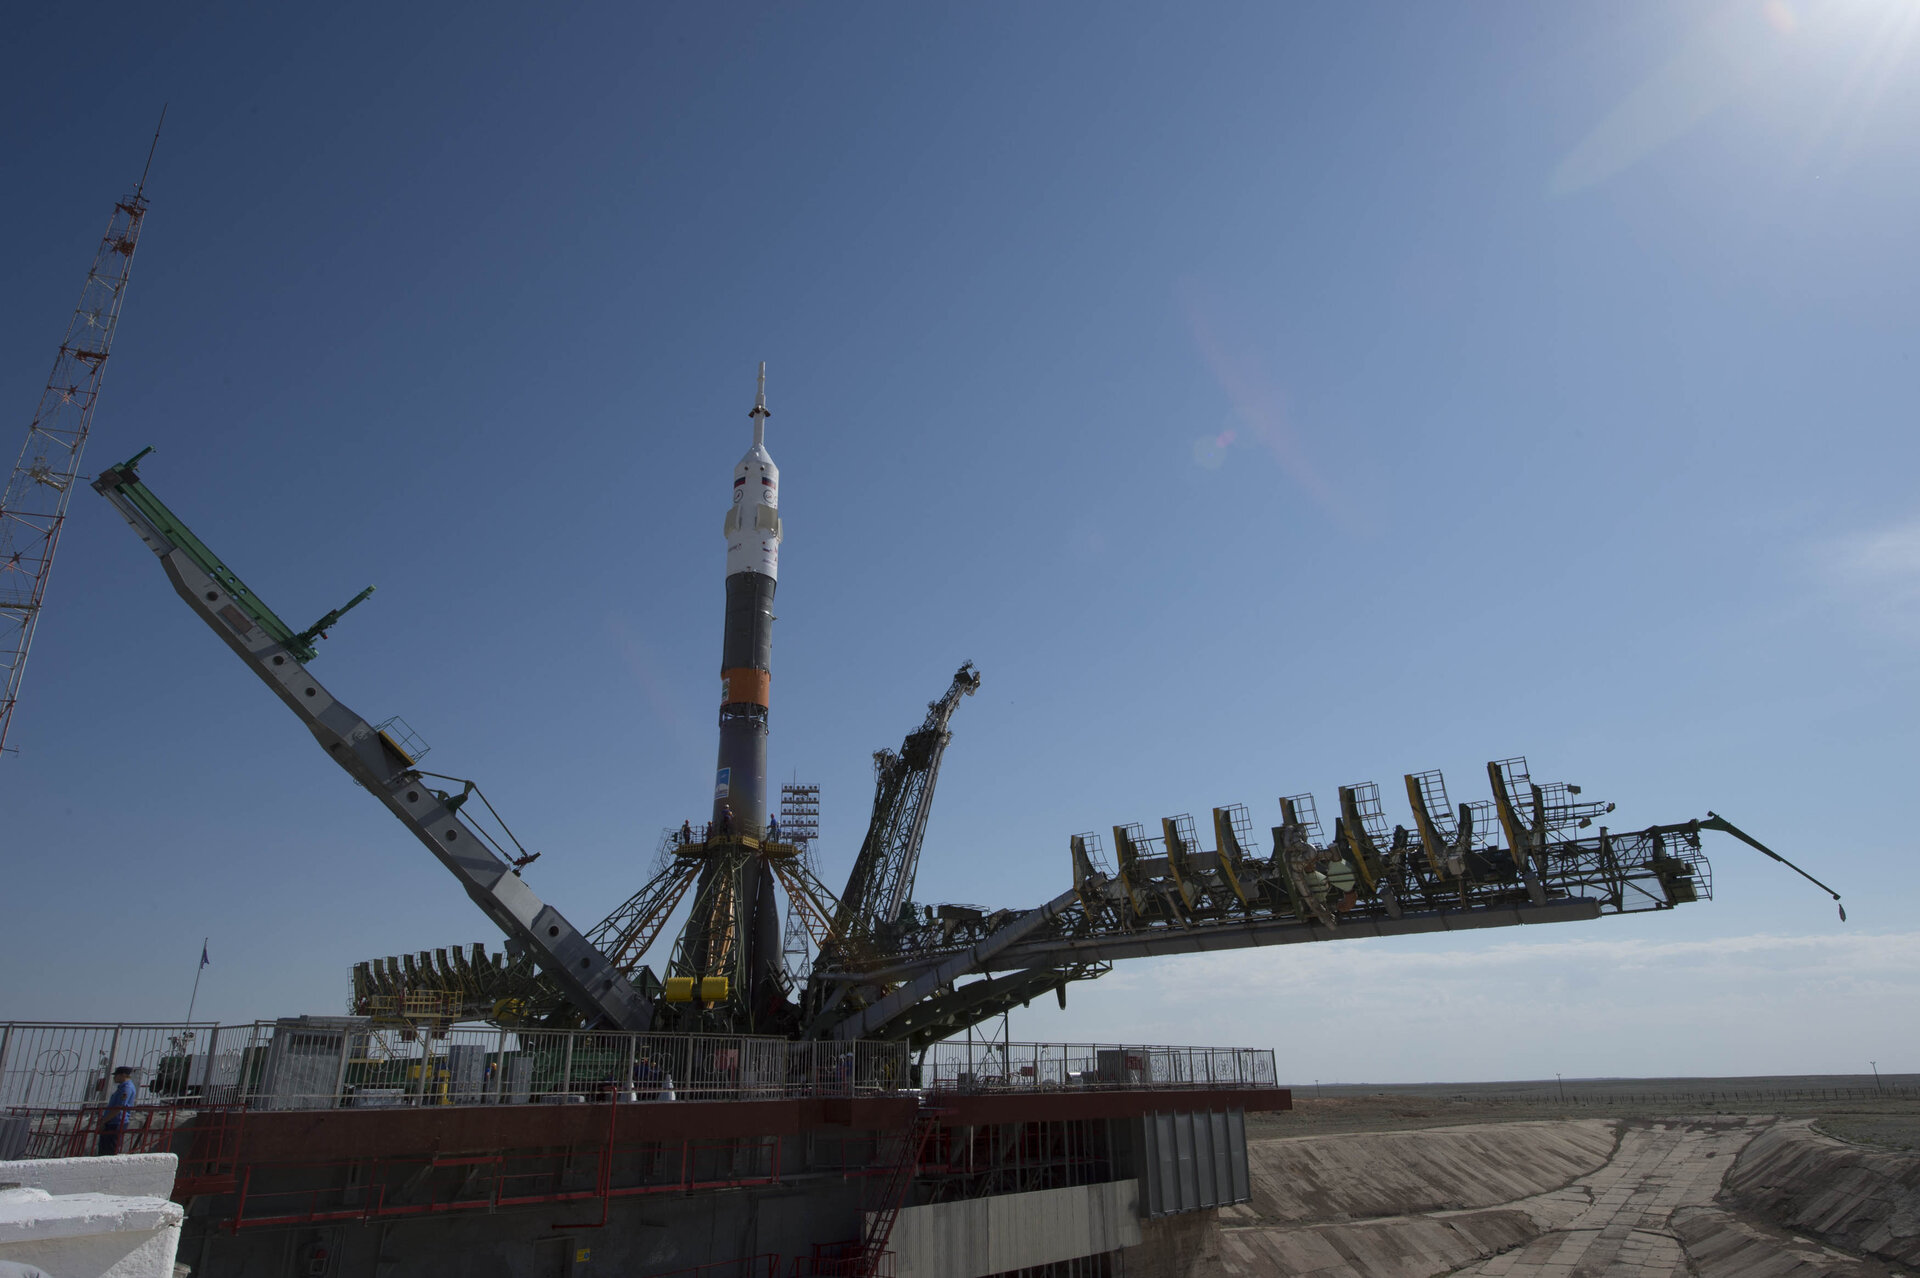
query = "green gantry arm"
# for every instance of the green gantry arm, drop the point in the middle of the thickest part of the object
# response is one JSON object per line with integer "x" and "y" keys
{"x": 124, "y": 479}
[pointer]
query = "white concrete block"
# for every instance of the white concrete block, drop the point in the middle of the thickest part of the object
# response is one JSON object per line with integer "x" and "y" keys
{"x": 142, "y": 1175}
{"x": 74, "y": 1217}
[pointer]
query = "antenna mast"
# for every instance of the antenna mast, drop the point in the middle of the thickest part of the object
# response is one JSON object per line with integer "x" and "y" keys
{"x": 34, "y": 504}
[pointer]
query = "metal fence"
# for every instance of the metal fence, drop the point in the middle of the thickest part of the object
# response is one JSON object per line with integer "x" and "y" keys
{"x": 330, "y": 1062}
{"x": 49, "y": 1066}
{"x": 975, "y": 1066}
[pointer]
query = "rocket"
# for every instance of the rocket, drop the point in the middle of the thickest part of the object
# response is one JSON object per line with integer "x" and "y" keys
{"x": 746, "y": 650}
{"x": 746, "y": 664}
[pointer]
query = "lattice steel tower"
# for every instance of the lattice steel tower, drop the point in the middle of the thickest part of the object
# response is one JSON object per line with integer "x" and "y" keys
{"x": 34, "y": 505}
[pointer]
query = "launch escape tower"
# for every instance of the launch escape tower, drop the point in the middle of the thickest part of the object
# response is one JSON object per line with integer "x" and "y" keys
{"x": 33, "y": 508}
{"x": 872, "y": 963}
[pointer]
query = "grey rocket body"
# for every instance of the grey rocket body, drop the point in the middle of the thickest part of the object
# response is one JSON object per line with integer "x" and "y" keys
{"x": 740, "y": 775}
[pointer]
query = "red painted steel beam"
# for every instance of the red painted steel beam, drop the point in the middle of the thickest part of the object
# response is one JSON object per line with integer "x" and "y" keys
{"x": 1043, "y": 1106}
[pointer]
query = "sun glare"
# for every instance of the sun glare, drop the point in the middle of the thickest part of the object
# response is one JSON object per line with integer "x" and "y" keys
{"x": 1853, "y": 50}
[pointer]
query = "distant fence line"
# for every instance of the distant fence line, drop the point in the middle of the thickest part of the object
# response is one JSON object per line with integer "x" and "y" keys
{"x": 1571, "y": 1097}
{"x": 1889, "y": 1092}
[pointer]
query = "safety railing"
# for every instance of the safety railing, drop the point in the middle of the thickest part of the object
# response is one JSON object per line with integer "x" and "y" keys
{"x": 62, "y": 1066}
{"x": 973, "y": 1067}
{"x": 85, "y": 1130}
{"x": 331, "y": 1062}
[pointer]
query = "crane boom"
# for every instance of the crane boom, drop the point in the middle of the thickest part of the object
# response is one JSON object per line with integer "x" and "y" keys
{"x": 278, "y": 655}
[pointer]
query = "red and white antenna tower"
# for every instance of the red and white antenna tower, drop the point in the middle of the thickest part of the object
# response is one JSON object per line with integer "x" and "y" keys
{"x": 34, "y": 505}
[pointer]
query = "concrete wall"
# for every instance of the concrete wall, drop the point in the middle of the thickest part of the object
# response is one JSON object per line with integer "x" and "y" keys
{"x": 981, "y": 1236}
{"x": 1302, "y": 1179}
{"x": 1862, "y": 1199}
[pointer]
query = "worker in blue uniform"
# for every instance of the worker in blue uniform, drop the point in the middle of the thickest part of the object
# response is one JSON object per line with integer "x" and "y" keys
{"x": 119, "y": 1110}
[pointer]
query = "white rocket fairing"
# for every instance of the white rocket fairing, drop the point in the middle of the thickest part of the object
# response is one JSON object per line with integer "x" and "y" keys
{"x": 753, "y": 523}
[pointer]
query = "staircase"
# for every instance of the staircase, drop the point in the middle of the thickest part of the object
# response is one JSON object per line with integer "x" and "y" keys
{"x": 900, "y": 1171}
{"x": 895, "y": 1166}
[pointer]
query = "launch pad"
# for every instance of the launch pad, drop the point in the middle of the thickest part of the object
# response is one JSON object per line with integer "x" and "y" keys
{"x": 872, "y": 961}
{"x": 812, "y": 1064}
{"x": 798, "y": 1090}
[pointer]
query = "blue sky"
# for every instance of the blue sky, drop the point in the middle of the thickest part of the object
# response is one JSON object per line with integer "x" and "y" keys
{"x": 1266, "y": 397}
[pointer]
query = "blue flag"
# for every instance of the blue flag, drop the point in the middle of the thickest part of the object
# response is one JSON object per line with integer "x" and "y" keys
{"x": 204, "y": 960}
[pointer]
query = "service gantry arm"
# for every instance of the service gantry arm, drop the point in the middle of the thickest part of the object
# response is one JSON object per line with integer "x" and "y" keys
{"x": 868, "y": 918}
{"x": 278, "y": 655}
{"x": 1167, "y": 895}
{"x": 882, "y": 877}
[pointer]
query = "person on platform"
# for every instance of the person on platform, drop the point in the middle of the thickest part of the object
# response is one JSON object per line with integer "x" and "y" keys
{"x": 646, "y": 1076}
{"x": 119, "y": 1109}
{"x": 726, "y": 822}
{"x": 773, "y": 829}
{"x": 686, "y": 833}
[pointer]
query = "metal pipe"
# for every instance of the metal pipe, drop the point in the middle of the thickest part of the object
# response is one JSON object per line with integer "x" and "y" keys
{"x": 1715, "y": 821}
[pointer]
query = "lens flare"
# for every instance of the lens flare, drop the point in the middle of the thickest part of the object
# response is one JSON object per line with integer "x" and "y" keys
{"x": 1209, "y": 451}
